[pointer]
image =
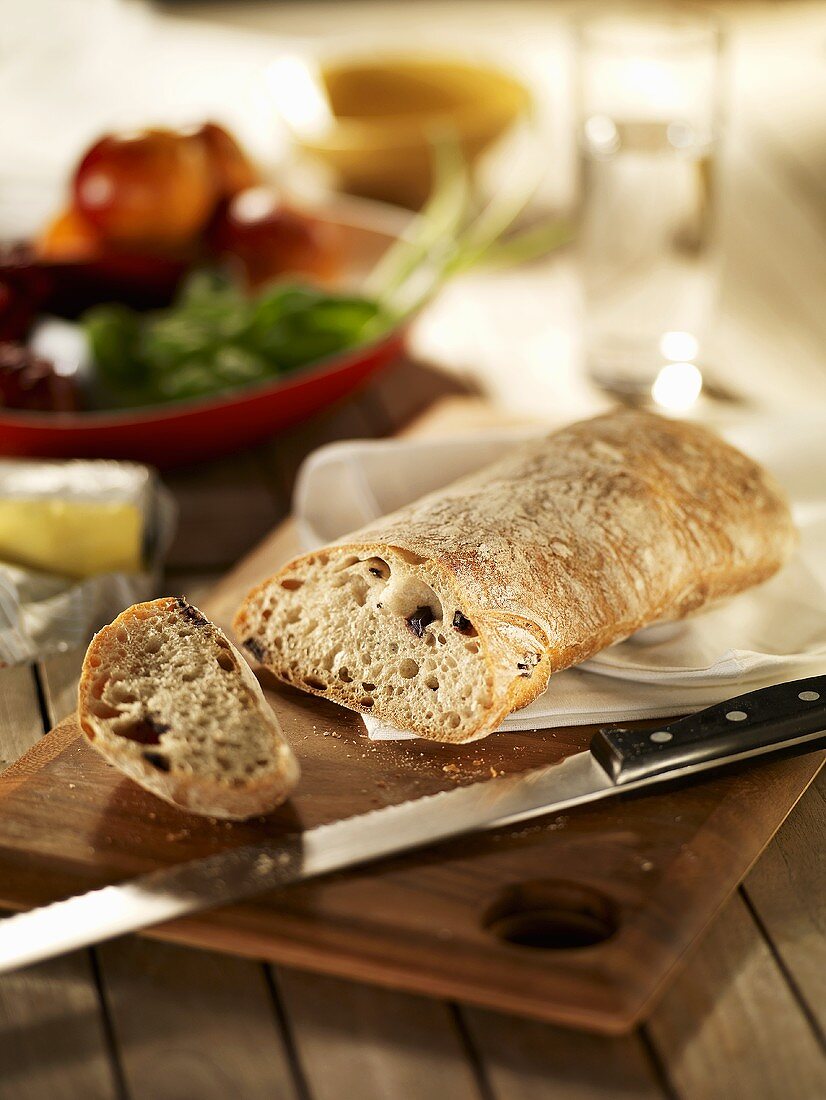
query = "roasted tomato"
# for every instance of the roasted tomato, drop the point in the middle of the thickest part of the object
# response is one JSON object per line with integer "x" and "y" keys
{"x": 69, "y": 236}
{"x": 269, "y": 238}
{"x": 232, "y": 169}
{"x": 150, "y": 190}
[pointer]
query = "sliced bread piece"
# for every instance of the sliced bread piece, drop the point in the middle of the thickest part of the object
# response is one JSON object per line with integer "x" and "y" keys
{"x": 168, "y": 700}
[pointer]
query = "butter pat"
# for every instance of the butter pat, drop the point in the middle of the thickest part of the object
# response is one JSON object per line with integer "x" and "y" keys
{"x": 77, "y": 519}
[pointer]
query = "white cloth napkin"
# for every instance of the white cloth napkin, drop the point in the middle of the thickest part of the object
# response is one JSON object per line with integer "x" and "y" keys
{"x": 774, "y": 632}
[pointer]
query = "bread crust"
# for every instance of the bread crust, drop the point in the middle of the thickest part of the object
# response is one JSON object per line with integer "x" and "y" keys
{"x": 581, "y": 539}
{"x": 206, "y": 795}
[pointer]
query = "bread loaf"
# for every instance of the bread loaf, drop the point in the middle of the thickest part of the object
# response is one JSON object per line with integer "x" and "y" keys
{"x": 447, "y": 615}
{"x": 168, "y": 700}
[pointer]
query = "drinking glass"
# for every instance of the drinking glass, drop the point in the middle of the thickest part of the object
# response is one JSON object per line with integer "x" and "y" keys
{"x": 649, "y": 107}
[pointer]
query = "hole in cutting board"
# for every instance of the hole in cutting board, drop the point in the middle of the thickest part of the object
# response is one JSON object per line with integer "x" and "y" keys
{"x": 552, "y": 915}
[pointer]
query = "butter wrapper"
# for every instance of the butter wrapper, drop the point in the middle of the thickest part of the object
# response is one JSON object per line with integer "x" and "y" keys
{"x": 79, "y": 542}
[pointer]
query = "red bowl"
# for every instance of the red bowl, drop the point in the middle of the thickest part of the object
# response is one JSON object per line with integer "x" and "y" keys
{"x": 173, "y": 434}
{"x": 170, "y": 435}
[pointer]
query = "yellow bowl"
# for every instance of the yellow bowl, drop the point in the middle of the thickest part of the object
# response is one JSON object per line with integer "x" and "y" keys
{"x": 373, "y": 122}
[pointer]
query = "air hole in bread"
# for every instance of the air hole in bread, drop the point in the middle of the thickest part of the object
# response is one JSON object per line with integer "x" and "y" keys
{"x": 411, "y": 558}
{"x": 99, "y": 685}
{"x": 291, "y": 583}
{"x": 360, "y": 589}
{"x": 378, "y": 567}
{"x": 315, "y": 683}
{"x": 344, "y": 675}
{"x": 253, "y": 646}
{"x": 412, "y": 599}
{"x": 366, "y": 702}
{"x": 369, "y": 687}
{"x": 420, "y": 619}
{"x": 432, "y": 683}
{"x": 441, "y": 639}
{"x": 120, "y": 694}
{"x": 103, "y": 710}
{"x": 153, "y": 645}
{"x": 409, "y": 668}
{"x": 226, "y": 661}
{"x": 463, "y": 625}
{"x": 452, "y": 719}
{"x": 293, "y": 615}
{"x": 322, "y": 559}
{"x": 146, "y": 730}
{"x": 472, "y": 647}
{"x": 121, "y": 635}
{"x": 157, "y": 760}
{"x": 351, "y": 559}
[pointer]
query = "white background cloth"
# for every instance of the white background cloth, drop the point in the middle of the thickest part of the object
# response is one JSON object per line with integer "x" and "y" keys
{"x": 772, "y": 633}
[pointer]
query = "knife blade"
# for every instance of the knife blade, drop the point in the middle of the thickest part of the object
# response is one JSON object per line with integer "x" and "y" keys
{"x": 789, "y": 718}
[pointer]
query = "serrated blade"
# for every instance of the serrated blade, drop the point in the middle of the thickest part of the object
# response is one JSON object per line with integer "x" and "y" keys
{"x": 240, "y": 873}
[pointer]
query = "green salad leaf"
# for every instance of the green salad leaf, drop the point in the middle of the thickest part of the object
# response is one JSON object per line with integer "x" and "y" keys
{"x": 216, "y": 338}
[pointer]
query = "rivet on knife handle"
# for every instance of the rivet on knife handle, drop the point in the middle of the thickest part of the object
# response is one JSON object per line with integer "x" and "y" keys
{"x": 757, "y": 720}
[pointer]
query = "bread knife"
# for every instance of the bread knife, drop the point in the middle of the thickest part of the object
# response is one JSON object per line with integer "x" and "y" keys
{"x": 787, "y": 718}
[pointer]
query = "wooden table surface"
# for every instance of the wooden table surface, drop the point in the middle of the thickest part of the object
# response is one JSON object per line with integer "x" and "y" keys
{"x": 747, "y": 1015}
{"x": 151, "y": 1021}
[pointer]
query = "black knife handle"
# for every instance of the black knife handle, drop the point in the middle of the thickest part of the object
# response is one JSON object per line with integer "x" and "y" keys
{"x": 764, "y": 719}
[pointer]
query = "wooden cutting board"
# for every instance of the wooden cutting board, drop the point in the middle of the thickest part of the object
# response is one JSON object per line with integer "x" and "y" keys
{"x": 578, "y": 919}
